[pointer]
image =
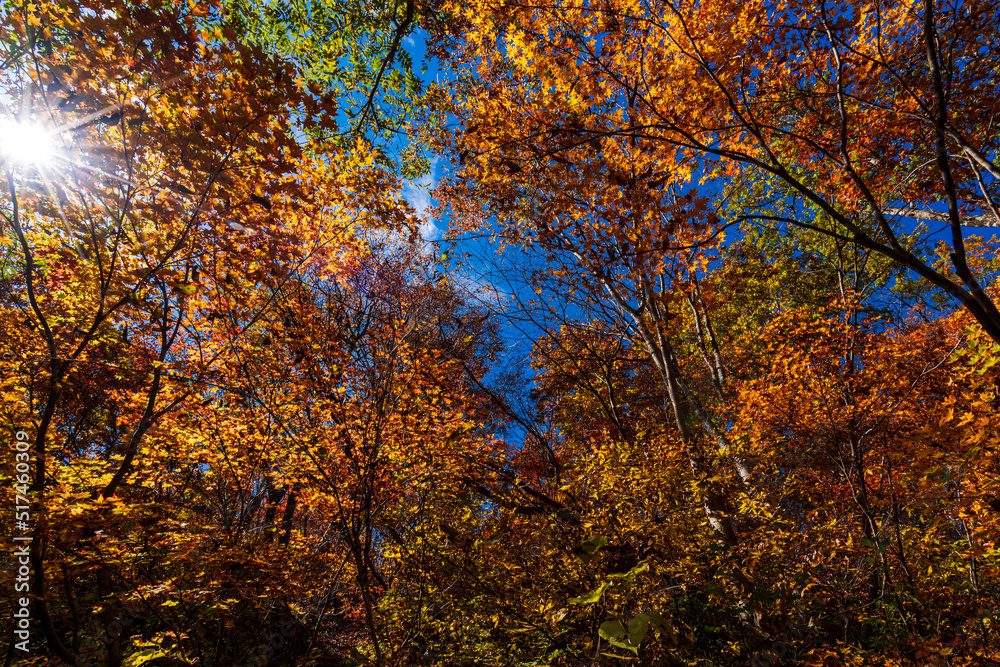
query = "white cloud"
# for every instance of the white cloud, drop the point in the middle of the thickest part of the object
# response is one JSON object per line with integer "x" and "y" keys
{"x": 418, "y": 194}
{"x": 479, "y": 289}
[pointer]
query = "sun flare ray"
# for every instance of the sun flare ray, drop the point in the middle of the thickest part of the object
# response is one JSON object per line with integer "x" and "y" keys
{"x": 26, "y": 143}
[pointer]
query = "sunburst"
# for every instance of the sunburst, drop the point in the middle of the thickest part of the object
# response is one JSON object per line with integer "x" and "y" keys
{"x": 27, "y": 143}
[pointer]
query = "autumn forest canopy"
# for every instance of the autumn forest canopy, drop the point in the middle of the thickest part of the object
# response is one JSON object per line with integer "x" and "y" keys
{"x": 692, "y": 361}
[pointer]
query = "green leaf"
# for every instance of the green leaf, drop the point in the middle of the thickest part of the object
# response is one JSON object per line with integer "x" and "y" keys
{"x": 594, "y": 543}
{"x": 144, "y": 655}
{"x": 633, "y": 573}
{"x": 611, "y": 630}
{"x": 591, "y": 597}
{"x": 614, "y": 632}
{"x": 637, "y": 629}
{"x": 656, "y": 620}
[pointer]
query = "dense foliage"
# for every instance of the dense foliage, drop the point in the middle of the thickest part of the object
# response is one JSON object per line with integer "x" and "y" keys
{"x": 722, "y": 388}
